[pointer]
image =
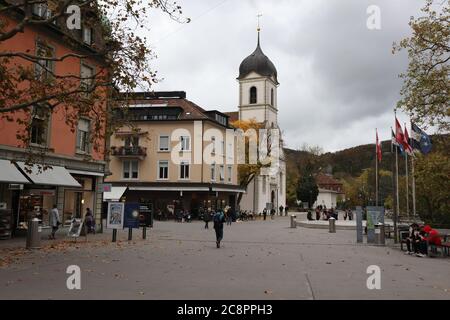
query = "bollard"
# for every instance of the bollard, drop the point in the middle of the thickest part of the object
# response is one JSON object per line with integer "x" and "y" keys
{"x": 114, "y": 235}
{"x": 33, "y": 234}
{"x": 332, "y": 225}
{"x": 293, "y": 221}
{"x": 130, "y": 234}
{"x": 144, "y": 232}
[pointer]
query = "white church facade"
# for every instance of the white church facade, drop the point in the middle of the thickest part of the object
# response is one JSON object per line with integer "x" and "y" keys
{"x": 258, "y": 85}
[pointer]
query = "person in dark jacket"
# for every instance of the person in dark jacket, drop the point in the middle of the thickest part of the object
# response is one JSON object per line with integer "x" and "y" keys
{"x": 219, "y": 219}
{"x": 207, "y": 218}
{"x": 265, "y": 213}
{"x": 413, "y": 239}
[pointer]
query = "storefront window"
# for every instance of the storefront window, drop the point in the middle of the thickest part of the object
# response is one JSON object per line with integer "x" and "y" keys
{"x": 76, "y": 201}
{"x": 36, "y": 203}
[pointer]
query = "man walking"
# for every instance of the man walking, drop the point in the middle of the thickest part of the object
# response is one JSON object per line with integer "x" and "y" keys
{"x": 55, "y": 221}
{"x": 265, "y": 214}
{"x": 207, "y": 218}
{"x": 219, "y": 219}
{"x": 281, "y": 210}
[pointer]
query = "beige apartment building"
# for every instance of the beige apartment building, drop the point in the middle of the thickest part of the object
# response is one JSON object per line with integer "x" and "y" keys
{"x": 172, "y": 155}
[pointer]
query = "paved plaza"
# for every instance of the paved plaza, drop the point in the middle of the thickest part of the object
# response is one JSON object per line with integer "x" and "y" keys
{"x": 258, "y": 260}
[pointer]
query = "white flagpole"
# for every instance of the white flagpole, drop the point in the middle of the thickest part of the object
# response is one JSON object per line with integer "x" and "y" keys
{"x": 396, "y": 183}
{"x": 376, "y": 169}
{"x": 413, "y": 188}
{"x": 407, "y": 185}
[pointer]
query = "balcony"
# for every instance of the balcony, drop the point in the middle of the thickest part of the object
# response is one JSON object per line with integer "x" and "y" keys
{"x": 129, "y": 152}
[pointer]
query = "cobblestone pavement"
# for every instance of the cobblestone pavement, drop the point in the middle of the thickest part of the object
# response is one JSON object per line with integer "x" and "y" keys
{"x": 258, "y": 260}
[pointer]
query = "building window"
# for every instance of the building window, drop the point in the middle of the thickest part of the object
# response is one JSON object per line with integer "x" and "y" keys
{"x": 44, "y": 69}
{"x": 87, "y": 35}
{"x": 83, "y": 135}
{"x": 185, "y": 143}
{"x": 41, "y": 10}
{"x": 222, "y": 173}
{"x": 130, "y": 169}
{"x": 87, "y": 75}
{"x": 163, "y": 143}
{"x": 271, "y": 97}
{"x": 230, "y": 173}
{"x": 39, "y": 126}
{"x": 132, "y": 142}
{"x": 184, "y": 170}
{"x": 213, "y": 142}
{"x": 163, "y": 170}
{"x": 213, "y": 172}
{"x": 252, "y": 95}
{"x": 222, "y": 148}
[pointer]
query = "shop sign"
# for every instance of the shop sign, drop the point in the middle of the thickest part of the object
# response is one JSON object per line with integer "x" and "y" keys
{"x": 75, "y": 228}
{"x": 106, "y": 187}
{"x": 42, "y": 192}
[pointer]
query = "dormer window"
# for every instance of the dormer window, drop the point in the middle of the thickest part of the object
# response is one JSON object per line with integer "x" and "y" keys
{"x": 253, "y": 95}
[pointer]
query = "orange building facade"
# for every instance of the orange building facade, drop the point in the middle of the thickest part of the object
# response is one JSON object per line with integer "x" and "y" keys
{"x": 74, "y": 181}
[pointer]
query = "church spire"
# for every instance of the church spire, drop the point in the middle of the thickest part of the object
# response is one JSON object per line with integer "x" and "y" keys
{"x": 259, "y": 27}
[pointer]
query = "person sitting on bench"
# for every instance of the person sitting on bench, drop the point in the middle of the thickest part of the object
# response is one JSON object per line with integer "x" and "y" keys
{"x": 413, "y": 239}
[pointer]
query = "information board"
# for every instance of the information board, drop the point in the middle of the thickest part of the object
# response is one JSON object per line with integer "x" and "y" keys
{"x": 115, "y": 215}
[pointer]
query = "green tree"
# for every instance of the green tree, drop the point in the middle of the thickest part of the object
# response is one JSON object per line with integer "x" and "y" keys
{"x": 307, "y": 189}
{"x": 426, "y": 89}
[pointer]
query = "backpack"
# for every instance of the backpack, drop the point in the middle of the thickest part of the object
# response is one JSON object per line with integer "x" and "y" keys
{"x": 218, "y": 218}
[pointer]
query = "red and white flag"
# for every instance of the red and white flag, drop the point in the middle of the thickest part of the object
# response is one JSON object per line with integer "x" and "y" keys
{"x": 399, "y": 136}
{"x": 378, "y": 148}
{"x": 406, "y": 142}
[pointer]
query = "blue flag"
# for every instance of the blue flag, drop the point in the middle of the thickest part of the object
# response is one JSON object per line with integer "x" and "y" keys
{"x": 420, "y": 140}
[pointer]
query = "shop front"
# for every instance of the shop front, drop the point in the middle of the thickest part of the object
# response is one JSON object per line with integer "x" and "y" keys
{"x": 168, "y": 201}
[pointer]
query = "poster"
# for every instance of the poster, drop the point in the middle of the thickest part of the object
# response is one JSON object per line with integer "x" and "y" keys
{"x": 115, "y": 215}
{"x": 131, "y": 216}
{"x": 146, "y": 214}
{"x": 76, "y": 225}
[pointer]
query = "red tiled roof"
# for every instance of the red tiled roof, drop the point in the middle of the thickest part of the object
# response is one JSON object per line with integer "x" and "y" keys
{"x": 325, "y": 179}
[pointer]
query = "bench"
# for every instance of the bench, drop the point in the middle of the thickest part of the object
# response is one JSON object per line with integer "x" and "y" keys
{"x": 444, "y": 247}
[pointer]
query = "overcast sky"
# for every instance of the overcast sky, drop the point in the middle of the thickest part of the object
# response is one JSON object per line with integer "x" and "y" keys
{"x": 338, "y": 79}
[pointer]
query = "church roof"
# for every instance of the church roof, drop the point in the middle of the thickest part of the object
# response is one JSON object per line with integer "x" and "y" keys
{"x": 257, "y": 62}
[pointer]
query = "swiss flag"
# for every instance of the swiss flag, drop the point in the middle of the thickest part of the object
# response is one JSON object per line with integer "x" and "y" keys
{"x": 378, "y": 148}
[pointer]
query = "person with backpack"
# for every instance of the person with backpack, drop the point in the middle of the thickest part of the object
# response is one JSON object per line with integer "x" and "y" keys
{"x": 219, "y": 219}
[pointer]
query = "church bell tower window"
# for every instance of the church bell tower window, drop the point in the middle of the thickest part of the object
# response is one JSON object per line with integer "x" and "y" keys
{"x": 252, "y": 95}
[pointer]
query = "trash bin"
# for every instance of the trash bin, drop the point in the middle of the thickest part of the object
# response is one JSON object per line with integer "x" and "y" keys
{"x": 33, "y": 234}
{"x": 380, "y": 234}
{"x": 332, "y": 225}
{"x": 293, "y": 221}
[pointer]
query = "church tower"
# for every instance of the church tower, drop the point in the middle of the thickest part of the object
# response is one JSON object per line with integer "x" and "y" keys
{"x": 258, "y": 85}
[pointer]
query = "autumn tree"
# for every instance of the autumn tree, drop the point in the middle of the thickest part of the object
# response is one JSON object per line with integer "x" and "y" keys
{"x": 28, "y": 78}
{"x": 426, "y": 90}
{"x": 307, "y": 189}
{"x": 249, "y": 169}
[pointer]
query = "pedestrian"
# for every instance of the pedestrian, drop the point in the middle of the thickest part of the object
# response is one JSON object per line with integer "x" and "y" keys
{"x": 90, "y": 222}
{"x": 317, "y": 213}
{"x": 207, "y": 218}
{"x": 281, "y": 210}
{"x": 345, "y": 215}
{"x": 229, "y": 216}
{"x": 286, "y": 210}
{"x": 219, "y": 219}
{"x": 55, "y": 221}
{"x": 265, "y": 214}
{"x": 272, "y": 213}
